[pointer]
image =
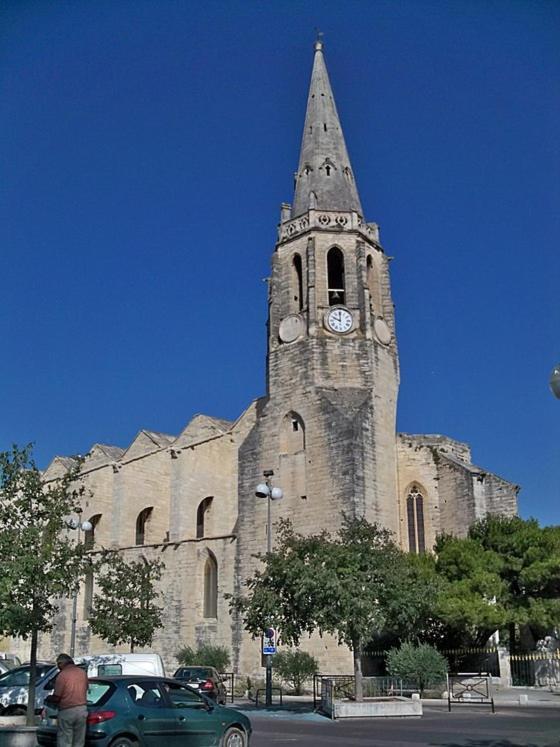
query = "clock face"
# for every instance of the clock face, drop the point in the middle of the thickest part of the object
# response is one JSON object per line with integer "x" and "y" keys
{"x": 339, "y": 319}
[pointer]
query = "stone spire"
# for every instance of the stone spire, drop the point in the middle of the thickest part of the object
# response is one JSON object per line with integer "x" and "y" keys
{"x": 324, "y": 180}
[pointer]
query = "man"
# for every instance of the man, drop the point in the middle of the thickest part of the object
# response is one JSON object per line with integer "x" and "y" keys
{"x": 70, "y": 695}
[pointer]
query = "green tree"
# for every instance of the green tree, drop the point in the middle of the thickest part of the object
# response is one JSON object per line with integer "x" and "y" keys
{"x": 40, "y": 561}
{"x": 422, "y": 664}
{"x": 504, "y": 575}
{"x": 205, "y": 654}
{"x": 338, "y": 585}
{"x": 295, "y": 668}
{"x": 125, "y": 610}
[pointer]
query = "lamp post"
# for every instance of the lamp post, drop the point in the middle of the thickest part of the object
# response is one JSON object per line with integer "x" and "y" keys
{"x": 266, "y": 490}
{"x": 81, "y": 526}
{"x": 555, "y": 381}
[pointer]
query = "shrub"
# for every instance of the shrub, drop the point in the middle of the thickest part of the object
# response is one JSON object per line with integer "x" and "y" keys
{"x": 423, "y": 664}
{"x": 295, "y": 668}
{"x": 206, "y": 654}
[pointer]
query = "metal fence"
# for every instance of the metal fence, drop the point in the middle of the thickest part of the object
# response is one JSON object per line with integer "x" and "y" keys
{"x": 537, "y": 669}
{"x": 327, "y": 687}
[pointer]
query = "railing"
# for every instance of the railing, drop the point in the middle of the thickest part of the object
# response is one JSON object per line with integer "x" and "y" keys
{"x": 328, "y": 687}
{"x": 469, "y": 689}
{"x": 229, "y": 678}
{"x": 537, "y": 669}
{"x": 263, "y": 690}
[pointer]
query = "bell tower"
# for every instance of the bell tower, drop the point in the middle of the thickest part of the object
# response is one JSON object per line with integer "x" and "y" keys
{"x": 331, "y": 336}
{"x": 326, "y": 426}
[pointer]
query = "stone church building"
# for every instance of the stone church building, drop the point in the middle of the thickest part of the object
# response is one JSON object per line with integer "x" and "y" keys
{"x": 326, "y": 427}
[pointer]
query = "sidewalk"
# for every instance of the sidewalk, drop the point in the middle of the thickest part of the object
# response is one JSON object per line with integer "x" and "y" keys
{"x": 301, "y": 707}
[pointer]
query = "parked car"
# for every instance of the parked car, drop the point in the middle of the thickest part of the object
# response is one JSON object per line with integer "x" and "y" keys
{"x": 113, "y": 665}
{"x": 138, "y": 711}
{"x": 8, "y": 661}
{"x": 204, "y": 679}
{"x": 14, "y": 686}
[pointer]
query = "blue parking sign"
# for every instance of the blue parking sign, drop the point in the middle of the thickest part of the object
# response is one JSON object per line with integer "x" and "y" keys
{"x": 269, "y": 642}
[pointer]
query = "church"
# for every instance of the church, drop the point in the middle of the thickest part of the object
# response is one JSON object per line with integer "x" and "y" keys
{"x": 325, "y": 431}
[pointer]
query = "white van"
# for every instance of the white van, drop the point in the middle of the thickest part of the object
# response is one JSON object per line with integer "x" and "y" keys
{"x": 113, "y": 665}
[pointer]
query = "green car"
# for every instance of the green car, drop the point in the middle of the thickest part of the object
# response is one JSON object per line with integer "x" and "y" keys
{"x": 140, "y": 711}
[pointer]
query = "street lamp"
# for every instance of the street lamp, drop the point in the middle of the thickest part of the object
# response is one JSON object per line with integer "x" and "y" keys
{"x": 80, "y": 526}
{"x": 555, "y": 381}
{"x": 266, "y": 490}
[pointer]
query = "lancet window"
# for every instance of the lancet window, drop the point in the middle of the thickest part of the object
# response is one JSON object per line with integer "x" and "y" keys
{"x": 297, "y": 282}
{"x": 415, "y": 520}
{"x": 211, "y": 586}
{"x": 202, "y": 512}
{"x": 141, "y": 524}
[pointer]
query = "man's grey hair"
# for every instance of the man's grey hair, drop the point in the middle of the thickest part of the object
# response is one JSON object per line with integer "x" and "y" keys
{"x": 63, "y": 659}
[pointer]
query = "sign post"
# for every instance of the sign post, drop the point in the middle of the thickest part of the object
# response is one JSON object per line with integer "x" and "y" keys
{"x": 269, "y": 649}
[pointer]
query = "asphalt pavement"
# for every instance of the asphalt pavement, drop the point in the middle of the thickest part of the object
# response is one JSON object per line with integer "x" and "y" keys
{"x": 471, "y": 726}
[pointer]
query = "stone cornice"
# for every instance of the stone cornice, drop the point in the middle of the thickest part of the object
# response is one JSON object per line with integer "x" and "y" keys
{"x": 328, "y": 220}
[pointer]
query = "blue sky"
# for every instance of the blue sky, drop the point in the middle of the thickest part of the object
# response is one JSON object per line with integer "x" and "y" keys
{"x": 146, "y": 146}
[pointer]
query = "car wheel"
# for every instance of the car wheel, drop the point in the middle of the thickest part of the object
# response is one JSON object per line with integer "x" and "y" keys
{"x": 234, "y": 737}
{"x": 123, "y": 742}
{"x": 17, "y": 711}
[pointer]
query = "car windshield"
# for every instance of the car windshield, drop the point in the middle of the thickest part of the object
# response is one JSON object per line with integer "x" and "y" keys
{"x": 193, "y": 673}
{"x": 20, "y": 677}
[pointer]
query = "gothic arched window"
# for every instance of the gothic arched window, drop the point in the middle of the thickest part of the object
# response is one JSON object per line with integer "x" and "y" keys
{"x": 292, "y": 434}
{"x": 415, "y": 520}
{"x": 211, "y": 586}
{"x": 297, "y": 282}
{"x": 335, "y": 276}
{"x": 89, "y": 535}
{"x": 141, "y": 522}
{"x": 201, "y": 516}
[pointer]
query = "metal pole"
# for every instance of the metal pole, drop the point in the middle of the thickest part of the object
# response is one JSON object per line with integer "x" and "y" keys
{"x": 268, "y": 523}
{"x": 268, "y": 694}
{"x": 268, "y": 660}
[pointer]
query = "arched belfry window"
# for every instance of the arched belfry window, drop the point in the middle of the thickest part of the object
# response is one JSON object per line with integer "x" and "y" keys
{"x": 292, "y": 434}
{"x": 202, "y": 513}
{"x": 211, "y": 586}
{"x": 89, "y": 535}
{"x": 141, "y": 524}
{"x": 297, "y": 282}
{"x": 415, "y": 519}
{"x": 335, "y": 276}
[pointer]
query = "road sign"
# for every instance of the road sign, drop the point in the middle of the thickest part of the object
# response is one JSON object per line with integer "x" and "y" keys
{"x": 269, "y": 642}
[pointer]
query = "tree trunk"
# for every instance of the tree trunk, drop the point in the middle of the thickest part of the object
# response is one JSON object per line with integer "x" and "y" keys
{"x": 358, "y": 682}
{"x": 512, "y": 644}
{"x": 32, "y": 679}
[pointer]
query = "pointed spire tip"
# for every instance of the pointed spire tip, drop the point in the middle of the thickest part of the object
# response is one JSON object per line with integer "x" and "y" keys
{"x": 319, "y": 42}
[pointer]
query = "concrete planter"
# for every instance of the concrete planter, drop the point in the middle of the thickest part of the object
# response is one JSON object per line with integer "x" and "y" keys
{"x": 376, "y": 708}
{"x": 18, "y": 736}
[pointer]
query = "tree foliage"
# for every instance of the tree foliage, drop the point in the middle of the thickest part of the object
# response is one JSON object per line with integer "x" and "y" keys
{"x": 205, "y": 654}
{"x": 504, "y": 574}
{"x": 126, "y": 609}
{"x": 421, "y": 664}
{"x": 41, "y": 562}
{"x": 343, "y": 585}
{"x": 295, "y": 668}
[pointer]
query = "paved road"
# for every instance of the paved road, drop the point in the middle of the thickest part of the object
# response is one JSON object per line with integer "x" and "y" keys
{"x": 465, "y": 727}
